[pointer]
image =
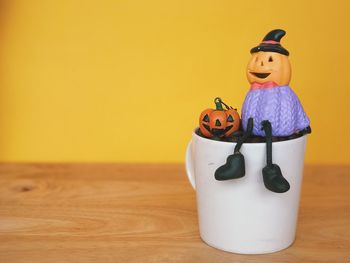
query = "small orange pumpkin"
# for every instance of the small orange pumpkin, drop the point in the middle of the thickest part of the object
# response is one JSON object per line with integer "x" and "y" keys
{"x": 219, "y": 122}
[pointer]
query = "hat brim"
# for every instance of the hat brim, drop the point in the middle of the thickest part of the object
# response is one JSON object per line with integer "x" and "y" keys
{"x": 270, "y": 48}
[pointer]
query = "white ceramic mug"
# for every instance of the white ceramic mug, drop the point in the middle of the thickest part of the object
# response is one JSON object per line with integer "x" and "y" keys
{"x": 241, "y": 215}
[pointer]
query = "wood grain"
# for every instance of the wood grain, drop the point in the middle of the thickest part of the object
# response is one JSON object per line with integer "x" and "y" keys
{"x": 147, "y": 213}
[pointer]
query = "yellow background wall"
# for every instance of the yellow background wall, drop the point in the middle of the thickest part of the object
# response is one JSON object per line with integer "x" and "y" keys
{"x": 125, "y": 80}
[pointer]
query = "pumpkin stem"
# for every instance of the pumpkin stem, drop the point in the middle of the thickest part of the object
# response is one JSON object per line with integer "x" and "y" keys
{"x": 218, "y": 103}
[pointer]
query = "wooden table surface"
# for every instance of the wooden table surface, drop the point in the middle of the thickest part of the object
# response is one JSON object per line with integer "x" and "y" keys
{"x": 147, "y": 213}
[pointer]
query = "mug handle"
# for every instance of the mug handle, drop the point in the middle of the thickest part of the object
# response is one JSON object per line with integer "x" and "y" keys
{"x": 189, "y": 165}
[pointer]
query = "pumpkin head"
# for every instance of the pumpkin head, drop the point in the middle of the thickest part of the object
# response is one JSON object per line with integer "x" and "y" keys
{"x": 219, "y": 122}
{"x": 269, "y": 66}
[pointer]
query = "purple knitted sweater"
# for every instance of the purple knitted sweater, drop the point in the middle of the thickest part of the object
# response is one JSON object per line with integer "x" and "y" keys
{"x": 279, "y": 105}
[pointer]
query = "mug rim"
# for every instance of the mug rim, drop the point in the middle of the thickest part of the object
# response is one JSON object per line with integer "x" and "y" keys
{"x": 246, "y": 144}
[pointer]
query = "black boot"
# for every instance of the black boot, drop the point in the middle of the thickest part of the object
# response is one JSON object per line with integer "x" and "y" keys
{"x": 235, "y": 166}
{"x": 274, "y": 180}
{"x": 272, "y": 175}
{"x": 232, "y": 169}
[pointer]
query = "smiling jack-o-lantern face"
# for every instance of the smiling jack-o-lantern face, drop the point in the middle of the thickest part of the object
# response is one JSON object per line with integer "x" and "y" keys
{"x": 269, "y": 66}
{"x": 219, "y": 122}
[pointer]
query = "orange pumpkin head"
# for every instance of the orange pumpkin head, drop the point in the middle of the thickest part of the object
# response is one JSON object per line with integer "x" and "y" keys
{"x": 219, "y": 122}
{"x": 269, "y": 66}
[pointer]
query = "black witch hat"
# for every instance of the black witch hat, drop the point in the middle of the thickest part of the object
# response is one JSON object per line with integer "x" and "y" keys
{"x": 271, "y": 43}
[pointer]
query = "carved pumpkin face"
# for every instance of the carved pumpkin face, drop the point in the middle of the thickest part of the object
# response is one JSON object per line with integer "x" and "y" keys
{"x": 269, "y": 66}
{"x": 219, "y": 122}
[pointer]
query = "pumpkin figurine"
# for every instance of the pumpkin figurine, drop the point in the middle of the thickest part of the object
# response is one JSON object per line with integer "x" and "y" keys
{"x": 271, "y": 108}
{"x": 219, "y": 122}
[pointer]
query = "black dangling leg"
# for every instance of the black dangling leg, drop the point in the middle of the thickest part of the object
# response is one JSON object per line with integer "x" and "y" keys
{"x": 246, "y": 134}
{"x": 272, "y": 175}
{"x": 234, "y": 166}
